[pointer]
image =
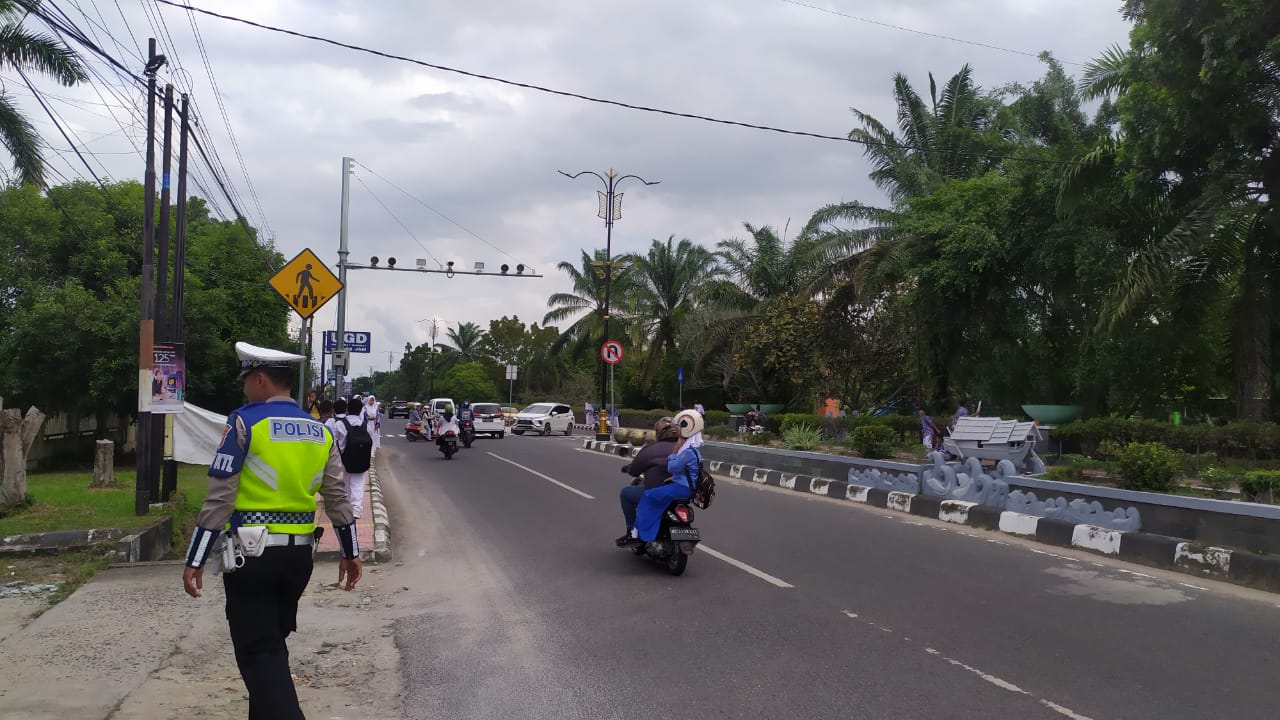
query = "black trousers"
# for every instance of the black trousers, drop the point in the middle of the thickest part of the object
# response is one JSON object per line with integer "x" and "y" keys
{"x": 262, "y": 609}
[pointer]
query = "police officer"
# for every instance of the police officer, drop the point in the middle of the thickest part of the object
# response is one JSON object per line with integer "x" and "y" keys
{"x": 272, "y": 459}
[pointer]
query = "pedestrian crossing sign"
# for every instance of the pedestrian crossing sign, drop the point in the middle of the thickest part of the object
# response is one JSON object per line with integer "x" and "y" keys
{"x": 306, "y": 283}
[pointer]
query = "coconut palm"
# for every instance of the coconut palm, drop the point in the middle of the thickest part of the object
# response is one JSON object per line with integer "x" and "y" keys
{"x": 584, "y": 306}
{"x": 668, "y": 280}
{"x": 24, "y": 51}
{"x": 467, "y": 339}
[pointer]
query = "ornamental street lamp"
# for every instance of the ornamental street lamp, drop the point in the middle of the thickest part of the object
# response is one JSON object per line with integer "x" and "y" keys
{"x": 610, "y": 210}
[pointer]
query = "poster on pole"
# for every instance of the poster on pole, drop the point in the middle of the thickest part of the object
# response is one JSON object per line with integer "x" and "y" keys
{"x": 168, "y": 377}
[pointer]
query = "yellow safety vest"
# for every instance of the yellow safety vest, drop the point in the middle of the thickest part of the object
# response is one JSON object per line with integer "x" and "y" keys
{"x": 283, "y": 468}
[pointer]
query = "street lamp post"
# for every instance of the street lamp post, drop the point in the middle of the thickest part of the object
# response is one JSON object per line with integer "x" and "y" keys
{"x": 610, "y": 210}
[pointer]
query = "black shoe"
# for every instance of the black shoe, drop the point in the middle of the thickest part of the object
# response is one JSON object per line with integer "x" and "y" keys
{"x": 623, "y": 541}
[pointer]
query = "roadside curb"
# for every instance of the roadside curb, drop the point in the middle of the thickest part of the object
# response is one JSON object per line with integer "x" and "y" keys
{"x": 1169, "y": 553}
{"x": 150, "y": 542}
{"x": 381, "y": 550}
{"x": 381, "y": 520}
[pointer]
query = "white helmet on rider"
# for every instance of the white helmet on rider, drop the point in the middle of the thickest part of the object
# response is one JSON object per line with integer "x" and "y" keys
{"x": 690, "y": 422}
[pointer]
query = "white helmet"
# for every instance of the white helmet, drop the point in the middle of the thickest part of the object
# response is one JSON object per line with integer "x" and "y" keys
{"x": 690, "y": 422}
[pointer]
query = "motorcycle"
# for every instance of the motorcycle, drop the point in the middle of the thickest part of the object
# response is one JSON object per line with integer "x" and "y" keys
{"x": 468, "y": 429}
{"x": 676, "y": 538}
{"x": 448, "y": 444}
{"x": 413, "y": 431}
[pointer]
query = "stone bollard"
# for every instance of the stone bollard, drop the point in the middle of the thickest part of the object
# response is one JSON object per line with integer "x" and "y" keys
{"x": 104, "y": 465}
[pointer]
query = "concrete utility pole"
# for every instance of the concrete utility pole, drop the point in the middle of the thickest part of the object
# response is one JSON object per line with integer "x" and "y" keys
{"x": 162, "y": 288}
{"x": 146, "y": 326}
{"x": 340, "y": 372}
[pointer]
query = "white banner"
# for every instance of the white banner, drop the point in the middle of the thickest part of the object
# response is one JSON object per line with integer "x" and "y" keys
{"x": 196, "y": 434}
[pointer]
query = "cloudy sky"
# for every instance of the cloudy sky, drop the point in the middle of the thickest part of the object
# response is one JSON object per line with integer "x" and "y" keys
{"x": 486, "y": 154}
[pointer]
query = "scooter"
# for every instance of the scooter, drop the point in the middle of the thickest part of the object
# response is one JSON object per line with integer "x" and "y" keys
{"x": 448, "y": 444}
{"x": 676, "y": 539}
{"x": 413, "y": 431}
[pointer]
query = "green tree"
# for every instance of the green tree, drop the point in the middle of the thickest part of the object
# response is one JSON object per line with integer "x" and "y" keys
{"x": 468, "y": 381}
{"x": 584, "y": 306}
{"x": 24, "y": 51}
{"x": 467, "y": 339}
{"x": 72, "y": 288}
{"x": 669, "y": 279}
{"x": 756, "y": 273}
{"x": 1198, "y": 145}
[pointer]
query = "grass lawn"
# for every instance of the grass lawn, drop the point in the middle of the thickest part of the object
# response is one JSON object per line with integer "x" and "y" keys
{"x": 63, "y": 501}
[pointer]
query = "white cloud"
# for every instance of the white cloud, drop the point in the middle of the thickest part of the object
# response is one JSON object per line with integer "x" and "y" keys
{"x": 486, "y": 154}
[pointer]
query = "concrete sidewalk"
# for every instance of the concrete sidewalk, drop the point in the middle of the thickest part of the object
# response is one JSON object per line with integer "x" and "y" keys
{"x": 131, "y": 644}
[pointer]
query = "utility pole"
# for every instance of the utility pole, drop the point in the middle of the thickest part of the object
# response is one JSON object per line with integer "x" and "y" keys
{"x": 179, "y": 274}
{"x": 339, "y": 372}
{"x": 302, "y": 370}
{"x": 146, "y": 324}
{"x": 158, "y": 429}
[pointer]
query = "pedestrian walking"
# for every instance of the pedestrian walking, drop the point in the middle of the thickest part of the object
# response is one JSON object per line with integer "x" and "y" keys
{"x": 349, "y": 417}
{"x": 262, "y": 484}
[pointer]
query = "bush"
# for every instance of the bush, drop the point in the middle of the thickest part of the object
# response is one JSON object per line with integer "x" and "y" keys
{"x": 1243, "y": 440}
{"x": 802, "y": 437}
{"x": 760, "y": 438}
{"x": 1065, "y": 473}
{"x": 1220, "y": 479}
{"x": 1148, "y": 466}
{"x": 719, "y": 432}
{"x": 873, "y": 440}
{"x": 1259, "y": 483}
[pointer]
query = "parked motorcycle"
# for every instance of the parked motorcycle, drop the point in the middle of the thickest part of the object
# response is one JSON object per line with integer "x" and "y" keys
{"x": 413, "y": 431}
{"x": 448, "y": 444}
{"x": 676, "y": 539}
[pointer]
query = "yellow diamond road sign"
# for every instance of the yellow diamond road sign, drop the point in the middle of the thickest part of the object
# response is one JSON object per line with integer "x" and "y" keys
{"x": 306, "y": 283}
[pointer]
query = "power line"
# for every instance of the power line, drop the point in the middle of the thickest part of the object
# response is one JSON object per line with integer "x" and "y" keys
{"x": 424, "y": 204}
{"x": 922, "y": 32}
{"x": 626, "y": 105}
{"x": 226, "y": 120}
{"x": 393, "y": 217}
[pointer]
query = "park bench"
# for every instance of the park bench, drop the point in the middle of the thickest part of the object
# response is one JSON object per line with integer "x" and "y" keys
{"x": 995, "y": 439}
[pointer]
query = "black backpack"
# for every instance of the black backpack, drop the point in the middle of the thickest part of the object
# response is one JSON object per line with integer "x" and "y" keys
{"x": 705, "y": 490}
{"x": 358, "y": 451}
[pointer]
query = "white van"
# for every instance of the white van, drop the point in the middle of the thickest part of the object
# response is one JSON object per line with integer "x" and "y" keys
{"x": 437, "y": 406}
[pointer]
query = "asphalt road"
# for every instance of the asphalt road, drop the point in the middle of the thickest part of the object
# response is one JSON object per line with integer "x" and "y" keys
{"x": 800, "y": 607}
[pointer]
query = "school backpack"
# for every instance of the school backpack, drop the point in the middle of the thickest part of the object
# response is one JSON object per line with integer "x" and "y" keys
{"x": 705, "y": 490}
{"x": 358, "y": 451}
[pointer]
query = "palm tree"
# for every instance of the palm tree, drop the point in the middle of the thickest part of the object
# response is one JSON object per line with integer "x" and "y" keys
{"x": 937, "y": 143}
{"x": 668, "y": 281}
{"x": 22, "y": 51}
{"x": 754, "y": 273}
{"x": 1199, "y": 233}
{"x": 586, "y": 304}
{"x": 467, "y": 340}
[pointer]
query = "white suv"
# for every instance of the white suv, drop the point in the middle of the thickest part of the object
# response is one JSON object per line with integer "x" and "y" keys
{"x": 487, "y": 418}
{"x": 544, "y": 418}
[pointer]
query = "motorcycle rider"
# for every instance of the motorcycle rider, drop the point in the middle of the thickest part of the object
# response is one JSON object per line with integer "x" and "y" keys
{"x": 649, "y": 470}
{"x": 465, "y": 417}
{"x": 448, "y": 423}
{"x": 683, "y": 464}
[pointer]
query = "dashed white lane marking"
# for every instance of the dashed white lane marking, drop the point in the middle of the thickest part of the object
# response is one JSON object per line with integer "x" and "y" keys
{"x": 745, "y": 567}
{"x": 1193, "y": 587}
{"x": 548, "y": 478}
{"x": 1006, "y": 685}
{"x": 1141, "y": 575}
